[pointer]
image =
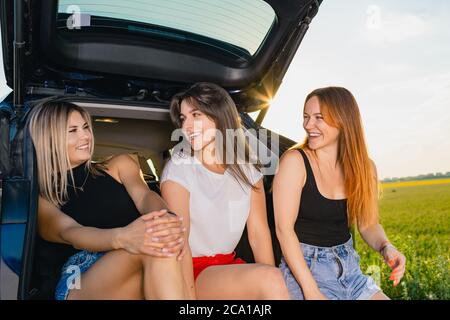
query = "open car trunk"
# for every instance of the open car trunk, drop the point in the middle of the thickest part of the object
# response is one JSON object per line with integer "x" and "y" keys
{"x": 124, "y": 72}
{"x": 117, "y": 55}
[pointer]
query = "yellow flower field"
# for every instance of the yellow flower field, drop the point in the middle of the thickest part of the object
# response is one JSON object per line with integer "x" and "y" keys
{"x": 415, "y": 183}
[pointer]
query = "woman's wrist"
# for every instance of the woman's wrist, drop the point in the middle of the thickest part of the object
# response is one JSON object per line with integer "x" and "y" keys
{"x": 312, "y": 293}
{"x": 117, "y": 238}
{"x": 311, "y": 289}
{"x": 384, "y": 246}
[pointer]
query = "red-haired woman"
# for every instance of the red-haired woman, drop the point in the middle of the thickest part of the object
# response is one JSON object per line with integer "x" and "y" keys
{"x": 322, "y": 188}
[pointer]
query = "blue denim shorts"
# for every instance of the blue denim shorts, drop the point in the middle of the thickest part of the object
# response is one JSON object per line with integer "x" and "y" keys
{"x": 336, "y": 271}
{"x": 72, "y": 270}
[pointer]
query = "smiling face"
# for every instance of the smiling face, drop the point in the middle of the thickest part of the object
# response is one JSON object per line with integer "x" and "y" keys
{"x": 79, "y": 139}
{"x": 199, "y": 129}
{"x": 320, "y": 134}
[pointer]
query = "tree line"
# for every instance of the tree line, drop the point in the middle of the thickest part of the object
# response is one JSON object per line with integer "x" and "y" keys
{"x": 437, "y": 175}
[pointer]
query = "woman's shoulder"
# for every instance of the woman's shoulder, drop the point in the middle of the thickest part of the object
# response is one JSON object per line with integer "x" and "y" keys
{"x": 179, "y": 169}
{"x": 180, "y": 162}
{"x": 180, "y": 158}
{"x": 118, "y": 165}
{"x": 374, "y": 169}
{"x": 292, "y": 167}
{"x": 293, "y": 158}
{"x": 118, "y": 161}
{"x": 252, "y": 172}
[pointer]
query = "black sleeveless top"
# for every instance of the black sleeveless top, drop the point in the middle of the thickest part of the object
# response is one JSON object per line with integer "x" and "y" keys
{"x": 102, "y": 203}
{"x": 321, "y": 221}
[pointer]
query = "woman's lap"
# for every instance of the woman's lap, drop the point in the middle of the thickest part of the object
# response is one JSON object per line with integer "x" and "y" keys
{"x": 110, "y": 276}
{"x": 336, "y": 271}
{"x": 238, "y": 281}
{"x": 72, "y": 270}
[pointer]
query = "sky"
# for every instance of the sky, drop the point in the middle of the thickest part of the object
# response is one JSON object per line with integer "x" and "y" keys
{"x": 393, "y": 56}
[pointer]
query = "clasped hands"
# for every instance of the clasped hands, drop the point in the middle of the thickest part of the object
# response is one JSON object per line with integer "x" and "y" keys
{"x": 158, "y": 233}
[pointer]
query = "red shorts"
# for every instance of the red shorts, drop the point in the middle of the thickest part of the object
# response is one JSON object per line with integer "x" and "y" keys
{"x": 201, "y": 263}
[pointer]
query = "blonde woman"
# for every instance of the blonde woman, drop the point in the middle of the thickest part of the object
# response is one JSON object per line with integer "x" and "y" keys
{"x": 218, "y": 199}
{"x": 102, "y": 233}
{"x": 323, "y": 187}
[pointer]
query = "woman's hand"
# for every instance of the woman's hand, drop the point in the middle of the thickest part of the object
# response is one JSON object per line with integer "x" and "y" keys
{"x": 396, "y": 261}
{"x": 183, "y": 251}
{"x": 168, "y": 231}
{"x": 157, "y": 233}
{"x": 315, "y": 295}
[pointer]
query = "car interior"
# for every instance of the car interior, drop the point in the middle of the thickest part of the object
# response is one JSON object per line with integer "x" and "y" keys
{"x": 124, "y": 74}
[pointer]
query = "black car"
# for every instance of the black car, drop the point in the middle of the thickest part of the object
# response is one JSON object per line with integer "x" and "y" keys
{"x": 123, "y": 61}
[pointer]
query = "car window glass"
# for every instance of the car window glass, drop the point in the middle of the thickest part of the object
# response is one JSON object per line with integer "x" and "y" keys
{"x": 243, "y": 24}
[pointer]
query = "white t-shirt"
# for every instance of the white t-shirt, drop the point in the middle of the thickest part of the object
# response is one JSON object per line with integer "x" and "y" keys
{"x": 219, "y": 205}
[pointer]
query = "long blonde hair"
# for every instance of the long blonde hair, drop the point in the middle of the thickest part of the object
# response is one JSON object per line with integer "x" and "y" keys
{"x": 340, "y": 110}
{"x": 48, "y": 127}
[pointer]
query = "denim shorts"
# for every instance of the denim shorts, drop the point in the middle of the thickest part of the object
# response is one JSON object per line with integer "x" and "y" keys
{"x": 72, "y": 270}
{"x": 336, "y": 271}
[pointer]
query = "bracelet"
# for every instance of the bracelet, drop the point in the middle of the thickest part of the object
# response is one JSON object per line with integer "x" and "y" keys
{"x": 384, "y": 246}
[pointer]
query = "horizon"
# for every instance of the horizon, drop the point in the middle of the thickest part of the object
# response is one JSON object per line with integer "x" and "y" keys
{"x": 431, "y": 175}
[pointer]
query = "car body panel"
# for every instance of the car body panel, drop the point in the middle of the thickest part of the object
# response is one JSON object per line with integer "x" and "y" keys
{"x": 18, "y": 211}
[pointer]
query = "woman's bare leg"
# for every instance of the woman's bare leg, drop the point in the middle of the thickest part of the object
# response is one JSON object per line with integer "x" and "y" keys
{"x": 163, "y": 279}
{"x": 121, "y": 275}
{"x": 251, "y": 281}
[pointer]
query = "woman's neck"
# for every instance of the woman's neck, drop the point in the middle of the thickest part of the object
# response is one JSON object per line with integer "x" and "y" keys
{"x": 78, "y": 164}
{"x": 208, "y": 158}
{"x": 327, "y": 156}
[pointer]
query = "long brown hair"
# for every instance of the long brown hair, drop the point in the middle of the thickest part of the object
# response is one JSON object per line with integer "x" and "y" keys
{"x": 48, "y": 127}
{"x": 340, "y": 110}
{"x": 217, "y": 104}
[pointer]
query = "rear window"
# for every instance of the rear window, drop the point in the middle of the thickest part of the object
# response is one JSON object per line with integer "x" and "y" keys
{"x": 239, "y": 26}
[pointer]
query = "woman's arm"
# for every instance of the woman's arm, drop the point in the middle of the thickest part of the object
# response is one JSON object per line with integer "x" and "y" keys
{"x": 170, "y": 231}
{"x": 55, "y": 226}
{"x": 177, "y": 198}
{"x": 257, "y": 227}
{"x": 129, "y": 173}
{"x": 287, "y": 188}
{"x": 375, "y": 237}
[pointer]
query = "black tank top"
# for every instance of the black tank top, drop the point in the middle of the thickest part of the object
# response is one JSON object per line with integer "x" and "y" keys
{"x": 321, "y": 221}
{"x": 103, "y": 203}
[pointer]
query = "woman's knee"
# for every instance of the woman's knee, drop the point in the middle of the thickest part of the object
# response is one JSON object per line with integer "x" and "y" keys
{"x": 144, "y": 260}
{"x": 159, "y": 261}
{"x": 273, "y": 285}
{"x": 138, "y": 260}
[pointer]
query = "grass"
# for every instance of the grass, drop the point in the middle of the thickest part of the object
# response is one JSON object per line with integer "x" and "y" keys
{"x": 416, "y": 218}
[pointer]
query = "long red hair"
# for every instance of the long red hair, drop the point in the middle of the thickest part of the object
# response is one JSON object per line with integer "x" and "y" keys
{"x": 340, "y": 110}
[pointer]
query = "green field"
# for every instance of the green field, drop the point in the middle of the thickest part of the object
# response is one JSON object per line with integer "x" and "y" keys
{"x": 416, "y": 218}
